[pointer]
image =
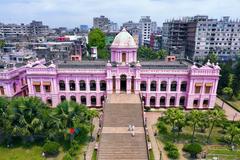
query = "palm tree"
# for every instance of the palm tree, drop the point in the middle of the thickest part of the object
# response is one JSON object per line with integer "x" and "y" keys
{"x": 194, "y": 120}
{"x": 233, "y": 130}
{"x": 161, "y": 54}
{"x": 215, "y": 116}
{"x": 204, "y": 122}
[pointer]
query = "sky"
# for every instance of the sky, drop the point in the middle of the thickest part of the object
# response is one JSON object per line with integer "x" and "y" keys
{"x": 72, "y": 13}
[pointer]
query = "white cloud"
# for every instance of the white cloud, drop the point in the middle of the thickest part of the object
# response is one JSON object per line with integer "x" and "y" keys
{"x": 75, "y": 12}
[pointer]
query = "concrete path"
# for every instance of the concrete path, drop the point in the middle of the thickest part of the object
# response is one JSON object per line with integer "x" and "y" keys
{"x": 121, "y": 130}
{"x": 156, "y": 145}
{"x": 91, "y": 145}
{"x": 231, "y": 113}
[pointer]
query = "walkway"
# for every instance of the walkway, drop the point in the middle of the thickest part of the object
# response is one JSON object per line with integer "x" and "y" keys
{"x": 231, "y": 113}
{"x": 116, "y": 142}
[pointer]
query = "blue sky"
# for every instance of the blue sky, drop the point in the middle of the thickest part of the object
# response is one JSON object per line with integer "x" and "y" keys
{"x": 71, "y": 13}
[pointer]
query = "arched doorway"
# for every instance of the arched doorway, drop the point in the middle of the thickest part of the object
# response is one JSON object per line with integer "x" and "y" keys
{"x": 123, "y": 83}
{"x": 123, "y": 57}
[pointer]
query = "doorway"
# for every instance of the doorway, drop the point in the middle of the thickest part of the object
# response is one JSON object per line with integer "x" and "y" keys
{"x": 123, "y": 83}
{"x": 132, "y": 84}
{"x": 123, "y": 57}
{"x": 114, "y": 83}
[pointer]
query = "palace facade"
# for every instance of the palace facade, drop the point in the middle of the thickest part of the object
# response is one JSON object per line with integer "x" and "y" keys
{"x": 168, "y": 83}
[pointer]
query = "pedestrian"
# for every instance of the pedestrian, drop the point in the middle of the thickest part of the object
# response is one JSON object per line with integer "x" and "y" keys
{"x": 133, "y": 127}
{"x": 129, "y": 127}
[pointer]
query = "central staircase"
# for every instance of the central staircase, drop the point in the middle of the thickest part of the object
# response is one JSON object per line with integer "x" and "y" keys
{"x": 116, "y": 142}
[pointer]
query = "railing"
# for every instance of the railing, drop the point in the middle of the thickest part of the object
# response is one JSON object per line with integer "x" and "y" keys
{"x": 100, "y": 136}
{"x": 145, "y": 133}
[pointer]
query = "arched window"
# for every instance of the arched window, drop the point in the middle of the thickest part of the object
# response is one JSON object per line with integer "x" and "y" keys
{"x": 102, "y": 99}
{"x": 162, "y": 101}
{"x": 153, "y": 86}
{"x": 174, "y": 86}
{"x": 205, "y": 103}
{"x": 92, "y": 85}
{"x": 172, "y": 101}
{"x": 62, "y": 85}
{"x": 63, "y": 98}
{"x": 83, "y": 100}
{"x": 73, "y": 98}
{"x": 72, "y": 85}
{"x": 103, "y": 85}
{"x": 143, "y": 86}
{"x": 93, "y": 101}
{"x": 14, "y": 87}
{"x": 184, "y": 86}
{"x": 49, "y": 101}
{"x": 182, "y": 101}
{"x": 152, "y": 101}
{"x": 163, "y": 86}
{"x": 82, "y": 85}
{"x": 144, "y": 100}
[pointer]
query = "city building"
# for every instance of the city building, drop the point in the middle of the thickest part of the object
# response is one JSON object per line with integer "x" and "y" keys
{"x": 198, "y": 36}
{"x": 174, "y": 35}
{"x": 147, "y": 27}
{"x": 168, "y": 83}
{"x": 84, "y": 28}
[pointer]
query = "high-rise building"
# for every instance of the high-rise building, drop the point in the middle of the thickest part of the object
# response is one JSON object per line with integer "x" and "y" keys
{"x": 104, "y": 24}
{"x": 198, "y": 36}
{"x": 147, "y": 27}
{"x": 84, "y": 28}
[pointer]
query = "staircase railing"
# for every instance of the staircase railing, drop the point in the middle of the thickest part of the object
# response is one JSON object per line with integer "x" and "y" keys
{"x": 100, "y": 137}
{"x": 144, "y": 125}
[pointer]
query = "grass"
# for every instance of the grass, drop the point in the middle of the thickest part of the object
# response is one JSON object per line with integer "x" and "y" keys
{"x": 223, "y": 152}
{"x": 94, "y": 155}
{"x": 235, "y": 103}
{"x": 151, "y": 154}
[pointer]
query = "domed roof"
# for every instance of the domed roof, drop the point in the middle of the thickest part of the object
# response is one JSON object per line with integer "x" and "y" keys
{"x": 123, "y": 40}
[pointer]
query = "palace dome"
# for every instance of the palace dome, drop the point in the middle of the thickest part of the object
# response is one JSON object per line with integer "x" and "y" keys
{"x": 123, "y": 40}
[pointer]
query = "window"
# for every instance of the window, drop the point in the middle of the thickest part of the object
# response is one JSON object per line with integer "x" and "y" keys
{"x": 208, "y": 87}
{"x": 198, "y": 87}
{"x": 205, "y": 103}
{"x": 143, "y": 86}
{"x": 62, "y": 86}
{"x": 72, "y": 85}
{"x": 153, "y": 86}
{"x": 2, "y": 90}
{"x": 83, "y": 100}
{"x": 14, "y": 87}
{"x": 174, "y": 86}
{"x": 103, "y": 86}
{"x": 162, "y": 101}
{"x": 63, "y": 98}
{"x": 164, "y": 86}
{"x": 47, "y": 86}
{"x": 182, "y": 101}
{"x": 184, "y": 86}
{"x": 37, "y": 86}
{"x": 73, "y": 98}
{"x": 82, "y": 85}
{"x": 172, "y": 101}
{"x": 195, "y": 103}
{"x": 152, "y": 101}
{"x": 92, "y": 85}
{"x": 93, "y": 101}
{"x": 49, "y": 101}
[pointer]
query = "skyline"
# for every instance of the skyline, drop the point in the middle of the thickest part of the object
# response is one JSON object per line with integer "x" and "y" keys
{"x": 72, "y": 13}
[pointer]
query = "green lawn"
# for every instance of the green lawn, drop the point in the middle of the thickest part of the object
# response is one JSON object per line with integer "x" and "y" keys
{"x": 151, "y": 154}
{"x": 223, "y": 152}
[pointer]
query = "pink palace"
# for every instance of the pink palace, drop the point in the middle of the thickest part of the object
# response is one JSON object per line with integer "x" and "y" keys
{"x": 162, "y": 84}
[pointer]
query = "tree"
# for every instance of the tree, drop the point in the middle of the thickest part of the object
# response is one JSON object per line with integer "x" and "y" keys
{"x": 176, "y": 118}
{"x": 193, "y": 149}
{"x": 103, "y": 54}
{"x": 204, "y": 123}
{"x": 233, "y": 131}
{"x": 236, "y": 78}
{"x": 225, "y": 81}
{"x": 227, "y": 92}
{"x": 96, "y": 38}
{"x": 146, "y": 53}
{"x": 215, "y": 117}
{"x": 161, "y": 54}
{"x": 194, "y": 118}
{"x": 213, "y": 57}
{"x": 2, "y": 43}
{"x": 3, "y": 114}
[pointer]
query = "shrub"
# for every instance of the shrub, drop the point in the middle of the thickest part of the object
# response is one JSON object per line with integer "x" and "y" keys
{"x": 161, "y": 127}
{"x": 169, "y": 146}
{"x": 68, "y": 157}
{"x": 51, "y": 148}
{"x": 174, "y": 154}
{"x": 193, "y": 149}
